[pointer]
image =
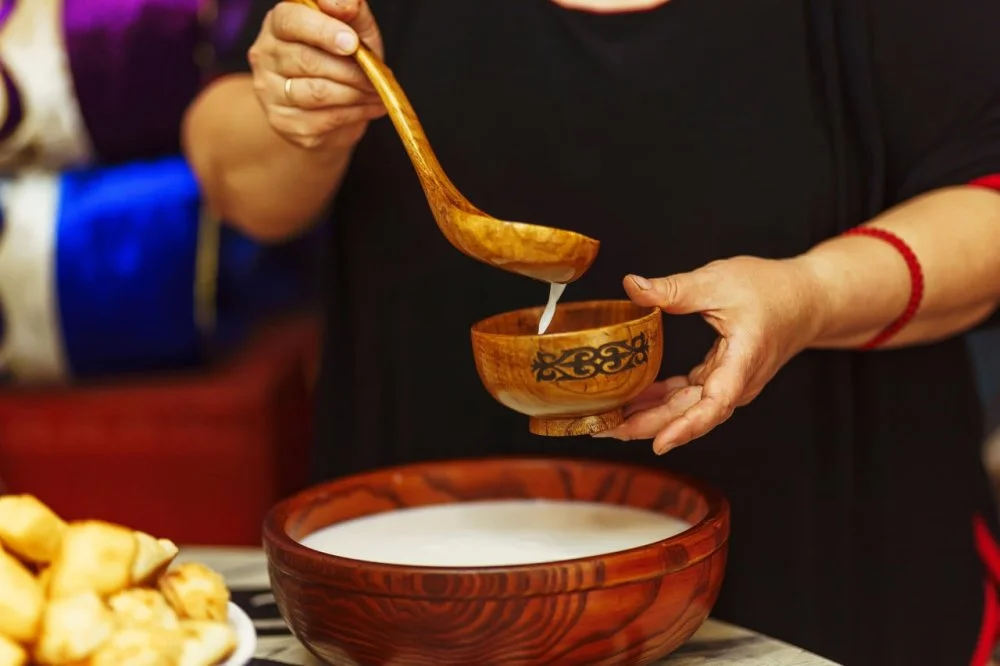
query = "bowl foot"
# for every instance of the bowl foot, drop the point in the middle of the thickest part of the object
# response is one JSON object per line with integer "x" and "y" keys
{"x": 576, "y": 425}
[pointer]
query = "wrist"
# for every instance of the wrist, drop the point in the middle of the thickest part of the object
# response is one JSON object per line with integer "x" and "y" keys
{"x": 330, "y": 153}
{"x": 320, "y": 168}
{"x": 816, "y": 295}
{"x": 341, "y": 142}
{"x": 860, "y": 286}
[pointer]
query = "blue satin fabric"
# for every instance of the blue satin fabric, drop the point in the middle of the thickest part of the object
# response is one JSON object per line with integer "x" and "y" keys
{"x": 125, "y": 269}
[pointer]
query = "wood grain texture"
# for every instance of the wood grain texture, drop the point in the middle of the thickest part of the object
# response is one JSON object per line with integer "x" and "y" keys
{"x": 543, "y": 253}
{"x": 631, "y": 607}
{"x": 574, "y": 379}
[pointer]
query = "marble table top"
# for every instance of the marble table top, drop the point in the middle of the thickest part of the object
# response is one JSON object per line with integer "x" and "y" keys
{"x": 715, "y": 644}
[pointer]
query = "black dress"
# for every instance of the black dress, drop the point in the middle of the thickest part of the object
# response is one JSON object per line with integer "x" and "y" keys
{"x": 699, "y": 130}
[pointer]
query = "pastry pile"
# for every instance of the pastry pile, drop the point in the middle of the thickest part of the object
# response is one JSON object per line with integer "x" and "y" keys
{"x": 91, "y": 593}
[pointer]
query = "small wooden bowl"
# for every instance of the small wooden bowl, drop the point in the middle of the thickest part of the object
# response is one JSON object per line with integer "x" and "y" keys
{"x": 574, "y": 379}
{"x": 629, "y": 607}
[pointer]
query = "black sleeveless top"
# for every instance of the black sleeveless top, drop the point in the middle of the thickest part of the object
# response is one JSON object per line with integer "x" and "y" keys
{"x": 699, "y": 130}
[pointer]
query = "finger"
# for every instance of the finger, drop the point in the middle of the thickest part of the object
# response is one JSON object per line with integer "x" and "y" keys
{"x": 310, "y": 93}
{"x": 297, "y": 60}
{"x": 656, "y": 394}
{"x": 700, "y": 372}
{"x": 727, "y": 382}
{"x": 749, "y": 395}
{"x": 358, "y": 15}
{"x": 659, "y": 390}
{"x": 291, "y": 22}
{"x": 307, "y": 128}
{"x": 683, "y": 293}
{"x": 696, "y": 422}
{"x": 645, "y": 424}
{"x": 722, "y": 391}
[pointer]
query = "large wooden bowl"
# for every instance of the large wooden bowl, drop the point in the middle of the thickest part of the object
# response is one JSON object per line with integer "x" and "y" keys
{"x": 629, "y": 607}
{"x": 574, "y": 379}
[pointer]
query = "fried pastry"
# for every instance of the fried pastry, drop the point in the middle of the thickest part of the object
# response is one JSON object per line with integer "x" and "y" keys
{"x": 12, "y": 654}
{"x": 152, "y": 558}
{"x": 43, "y": 578}
{"x": 140, "y": 647}
{"x": 21, "y": 601}
{"x": 91, "y": 593}
{"x": 29, "y": 529}
{"x": 196, "y": 592}
{"x": 94, "y": 556}
{"x": 73, "y": 628}
{"x": 143, "y": 608}
{"x": 206, "y": 643}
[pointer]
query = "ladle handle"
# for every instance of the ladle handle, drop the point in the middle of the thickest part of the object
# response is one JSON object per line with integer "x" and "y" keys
{"x": 432, "y": 176}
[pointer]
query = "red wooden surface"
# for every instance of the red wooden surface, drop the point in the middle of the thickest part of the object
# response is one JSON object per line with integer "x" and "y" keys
{"x": 198, "y": 458}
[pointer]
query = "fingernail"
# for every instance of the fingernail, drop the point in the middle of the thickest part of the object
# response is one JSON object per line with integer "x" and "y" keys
{"x": 641, "y": 282}
{"x": 347, "y": 42}
{"x": 605, "y": 434}
{"x": 660, "y": 449}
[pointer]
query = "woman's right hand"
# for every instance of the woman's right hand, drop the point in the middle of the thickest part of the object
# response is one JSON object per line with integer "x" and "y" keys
{"x": 312, "y": 90}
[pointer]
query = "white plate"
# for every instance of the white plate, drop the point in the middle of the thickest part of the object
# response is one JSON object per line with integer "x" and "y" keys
{"x": 246, "y": 637}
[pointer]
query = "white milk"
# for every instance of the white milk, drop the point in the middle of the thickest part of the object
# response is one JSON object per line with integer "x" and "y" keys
{"x": 494, "y": 533}
{"x": 555, "y": 292}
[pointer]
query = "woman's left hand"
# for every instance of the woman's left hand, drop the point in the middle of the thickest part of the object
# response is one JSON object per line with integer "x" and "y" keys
{"x": 765, "y": 312}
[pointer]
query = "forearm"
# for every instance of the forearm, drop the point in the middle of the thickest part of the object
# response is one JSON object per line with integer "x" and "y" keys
{"x": 249, "y": 175}
{"x": 863, "y": 283}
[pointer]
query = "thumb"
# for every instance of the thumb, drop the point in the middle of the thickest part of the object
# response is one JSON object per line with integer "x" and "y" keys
{"x": 358, "y": 15}
{"x": 683, "y": 293}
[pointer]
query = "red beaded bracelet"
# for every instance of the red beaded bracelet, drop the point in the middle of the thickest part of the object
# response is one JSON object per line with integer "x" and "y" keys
{"x": 989, "y": 182}
{"x": 916, "y": 282}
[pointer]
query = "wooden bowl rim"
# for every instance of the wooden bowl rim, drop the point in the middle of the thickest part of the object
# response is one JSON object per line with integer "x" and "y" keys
{"x": 651, "y": 314}
{"x": 660, "y": 558}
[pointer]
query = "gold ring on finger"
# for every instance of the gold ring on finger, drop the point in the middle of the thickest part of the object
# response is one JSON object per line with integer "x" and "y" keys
{"x": 288, "y": 89}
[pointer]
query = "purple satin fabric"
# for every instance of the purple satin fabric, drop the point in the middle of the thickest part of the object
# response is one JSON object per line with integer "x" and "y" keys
{"x": 133, "y": 65}
{"x": 229, "y": 23}
{"x": 6, "y": 7}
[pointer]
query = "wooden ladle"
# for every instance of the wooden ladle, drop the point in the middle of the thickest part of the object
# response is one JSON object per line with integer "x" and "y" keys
{"x": 543, "y": 253}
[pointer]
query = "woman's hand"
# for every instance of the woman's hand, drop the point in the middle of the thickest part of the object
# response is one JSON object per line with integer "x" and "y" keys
{"x": 312, "y": 90}
{"x": 765, "y": 311}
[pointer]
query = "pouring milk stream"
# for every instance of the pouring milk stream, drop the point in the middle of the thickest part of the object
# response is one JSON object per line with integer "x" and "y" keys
{"x": 555, "y": 292}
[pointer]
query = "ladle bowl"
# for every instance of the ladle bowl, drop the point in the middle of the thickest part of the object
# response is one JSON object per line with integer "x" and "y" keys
{"x": 574, "y": 379}
{"x": 539, "y": 252}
